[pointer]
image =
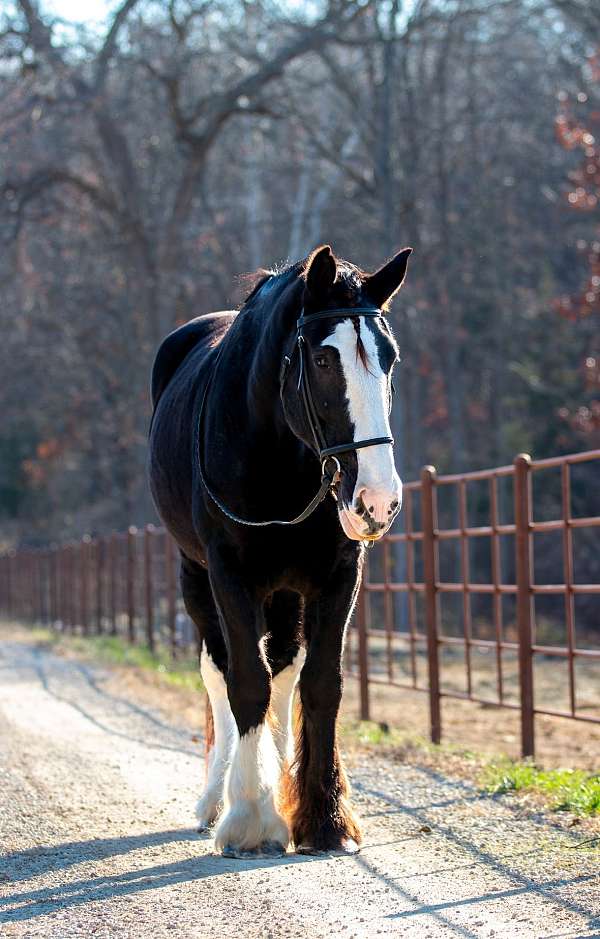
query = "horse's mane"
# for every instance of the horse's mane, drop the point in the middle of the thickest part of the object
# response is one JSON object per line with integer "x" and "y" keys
{"x": 256, "y": 280}
{"x": 253, "y": 281}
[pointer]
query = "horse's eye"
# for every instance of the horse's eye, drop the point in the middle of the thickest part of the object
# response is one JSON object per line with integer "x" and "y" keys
{"x": 321, "y": 361}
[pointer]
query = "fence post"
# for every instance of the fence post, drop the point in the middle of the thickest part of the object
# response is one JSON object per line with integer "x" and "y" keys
{"x": 131, "y": 533}
{"x": 149, "y": 584}
{"x": 522, "y": 493}
{"x": 14, "y": 584}
{"x": 30, "y": 587}
{"x": 70, "y": 588}
{"x": 100, "y": 582}
{"x": 171, "y": 593}
{"x": 53, "y": 597}
{"x": 113, "y": 551}
{"x": 3, "y": 582}
{"x": 35, "y": 587}
{"x": 65, "y": 588}
{"x": 430, "y": 566}
{"x": 363, "y": 650}
{"x": 8, "y": 562}
{"x": 44, "y": 585}
{"x": 84, "y": 555}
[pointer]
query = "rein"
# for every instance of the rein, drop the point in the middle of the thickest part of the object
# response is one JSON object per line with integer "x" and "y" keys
{"x": 329, "y": 478}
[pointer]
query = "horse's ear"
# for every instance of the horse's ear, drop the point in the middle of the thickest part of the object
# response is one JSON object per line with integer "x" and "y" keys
{"x": 383, "y": 284}
{"x": 320, "y": 272}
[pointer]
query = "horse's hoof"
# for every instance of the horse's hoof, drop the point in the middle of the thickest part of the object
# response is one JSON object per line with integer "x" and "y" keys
{"x": 203, "y": 828}
{"x": 272, "y": 849}
{"x": 230, "y": 850}
{"x": 349, "y": 846}
{"x": 267, "y": 849}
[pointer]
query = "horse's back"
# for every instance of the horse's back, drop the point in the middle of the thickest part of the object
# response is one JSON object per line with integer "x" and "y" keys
{"x": 201, "y": 332}
{"x": 178, "y": 375}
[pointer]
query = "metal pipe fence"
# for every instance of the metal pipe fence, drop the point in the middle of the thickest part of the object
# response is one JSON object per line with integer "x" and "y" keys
{"x": 468, "y": 537}
{"x": 385, "y": 651}
{"x": 122, "y": 584}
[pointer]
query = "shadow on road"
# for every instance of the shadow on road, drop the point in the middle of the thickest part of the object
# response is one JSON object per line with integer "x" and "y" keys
{"x": 546, "y": 890}
{"x": 39, "y": 861}
{"x": 44, "y": 679}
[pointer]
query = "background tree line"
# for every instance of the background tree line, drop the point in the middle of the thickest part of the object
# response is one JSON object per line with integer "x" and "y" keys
{"x": 144, "y": 168}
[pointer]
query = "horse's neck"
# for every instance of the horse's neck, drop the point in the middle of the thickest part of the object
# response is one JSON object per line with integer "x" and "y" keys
{"x": 252, "y": 388}
{"x": 263, "y": 389}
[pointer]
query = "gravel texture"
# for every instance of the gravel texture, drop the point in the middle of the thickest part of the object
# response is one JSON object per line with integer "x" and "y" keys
{"x": 96, "y": 799}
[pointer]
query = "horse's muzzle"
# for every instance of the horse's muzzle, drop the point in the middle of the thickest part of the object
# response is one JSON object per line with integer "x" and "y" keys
{"x": 369, "y": 520}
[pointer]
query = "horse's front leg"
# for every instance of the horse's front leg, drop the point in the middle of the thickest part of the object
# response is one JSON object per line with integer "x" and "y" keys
{"x": 250, "y": 824}
{"x": 322, "y": 817}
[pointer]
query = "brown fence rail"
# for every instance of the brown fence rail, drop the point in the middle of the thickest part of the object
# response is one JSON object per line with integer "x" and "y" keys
{"x": 484, "y": 522}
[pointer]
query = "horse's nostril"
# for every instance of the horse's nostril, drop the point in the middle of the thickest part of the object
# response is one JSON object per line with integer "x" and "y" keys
{"x": 371, "y": 509}
{"x": 394, "y": 504}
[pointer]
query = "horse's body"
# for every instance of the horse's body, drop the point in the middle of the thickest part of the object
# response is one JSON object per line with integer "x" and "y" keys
{"x": 225, "y": 416}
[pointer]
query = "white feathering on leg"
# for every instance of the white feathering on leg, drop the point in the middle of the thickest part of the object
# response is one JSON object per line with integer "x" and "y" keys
{"x": 208, "y": 805}
{"x": 251, "y": 789}
{"x": 282, "y": 694}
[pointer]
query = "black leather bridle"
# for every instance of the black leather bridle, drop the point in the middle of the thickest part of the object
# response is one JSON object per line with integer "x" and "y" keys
{"x": 329, "y": 477}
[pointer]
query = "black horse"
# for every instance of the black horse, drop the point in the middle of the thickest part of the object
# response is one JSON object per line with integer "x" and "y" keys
{"x": 271, "y": 465}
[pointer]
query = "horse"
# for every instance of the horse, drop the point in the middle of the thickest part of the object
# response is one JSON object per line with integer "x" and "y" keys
{"x": 271, "y": 465}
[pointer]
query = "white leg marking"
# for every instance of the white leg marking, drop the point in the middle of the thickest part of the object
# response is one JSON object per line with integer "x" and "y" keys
{"x": 251, "y": 788}
{"x": 208, "y": 806}
{"x": 282, "y": 695}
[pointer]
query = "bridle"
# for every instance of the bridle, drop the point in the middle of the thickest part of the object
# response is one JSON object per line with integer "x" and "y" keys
{"x": 329, "y": 477}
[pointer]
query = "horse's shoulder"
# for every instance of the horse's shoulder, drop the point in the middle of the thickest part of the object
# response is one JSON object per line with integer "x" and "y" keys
{"x": 174, "y": 349}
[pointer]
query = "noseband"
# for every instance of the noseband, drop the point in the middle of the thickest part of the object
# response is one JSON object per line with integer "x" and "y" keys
{"x": 329, "y": 478}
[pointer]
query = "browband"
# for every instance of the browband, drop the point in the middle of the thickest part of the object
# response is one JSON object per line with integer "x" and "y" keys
{"x": 342, "y": 311}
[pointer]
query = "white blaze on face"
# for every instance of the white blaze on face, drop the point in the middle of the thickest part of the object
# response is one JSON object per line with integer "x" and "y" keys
{"x": 367, "y": 393}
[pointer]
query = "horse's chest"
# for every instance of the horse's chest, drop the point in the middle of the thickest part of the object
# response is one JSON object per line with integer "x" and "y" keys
{"x": 293, "y": 561}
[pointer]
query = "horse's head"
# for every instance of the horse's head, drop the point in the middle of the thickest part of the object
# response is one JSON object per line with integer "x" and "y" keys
{"x": 348, "y": 362}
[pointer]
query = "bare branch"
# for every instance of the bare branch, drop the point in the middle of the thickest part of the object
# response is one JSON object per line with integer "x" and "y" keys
{"x": 310, "y": 39}
{"x": 110, "y": 43}
{"x": 29, "y": 189}
{"x": 40, "y": 35}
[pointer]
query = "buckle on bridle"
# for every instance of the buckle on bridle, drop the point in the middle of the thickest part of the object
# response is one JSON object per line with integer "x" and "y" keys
{"x": 334, "y": 477}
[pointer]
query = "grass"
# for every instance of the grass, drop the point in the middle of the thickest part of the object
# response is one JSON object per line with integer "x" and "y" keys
{"x": 182, "y": 673}
{"x": 372, "y": 734}
{"x": 562, "y": 790}
{"x": 381, "y": 735}
{"x": 566, "y": 790}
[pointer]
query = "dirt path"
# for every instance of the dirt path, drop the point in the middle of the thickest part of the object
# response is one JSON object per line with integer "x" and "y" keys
{"x": 96, "y": 799}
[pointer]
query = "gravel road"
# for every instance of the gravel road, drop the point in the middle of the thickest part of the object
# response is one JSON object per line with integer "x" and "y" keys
{"x": 96, "y": 800}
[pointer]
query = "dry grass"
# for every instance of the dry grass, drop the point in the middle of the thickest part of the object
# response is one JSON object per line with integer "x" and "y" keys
{"x": 487, "y": 728}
